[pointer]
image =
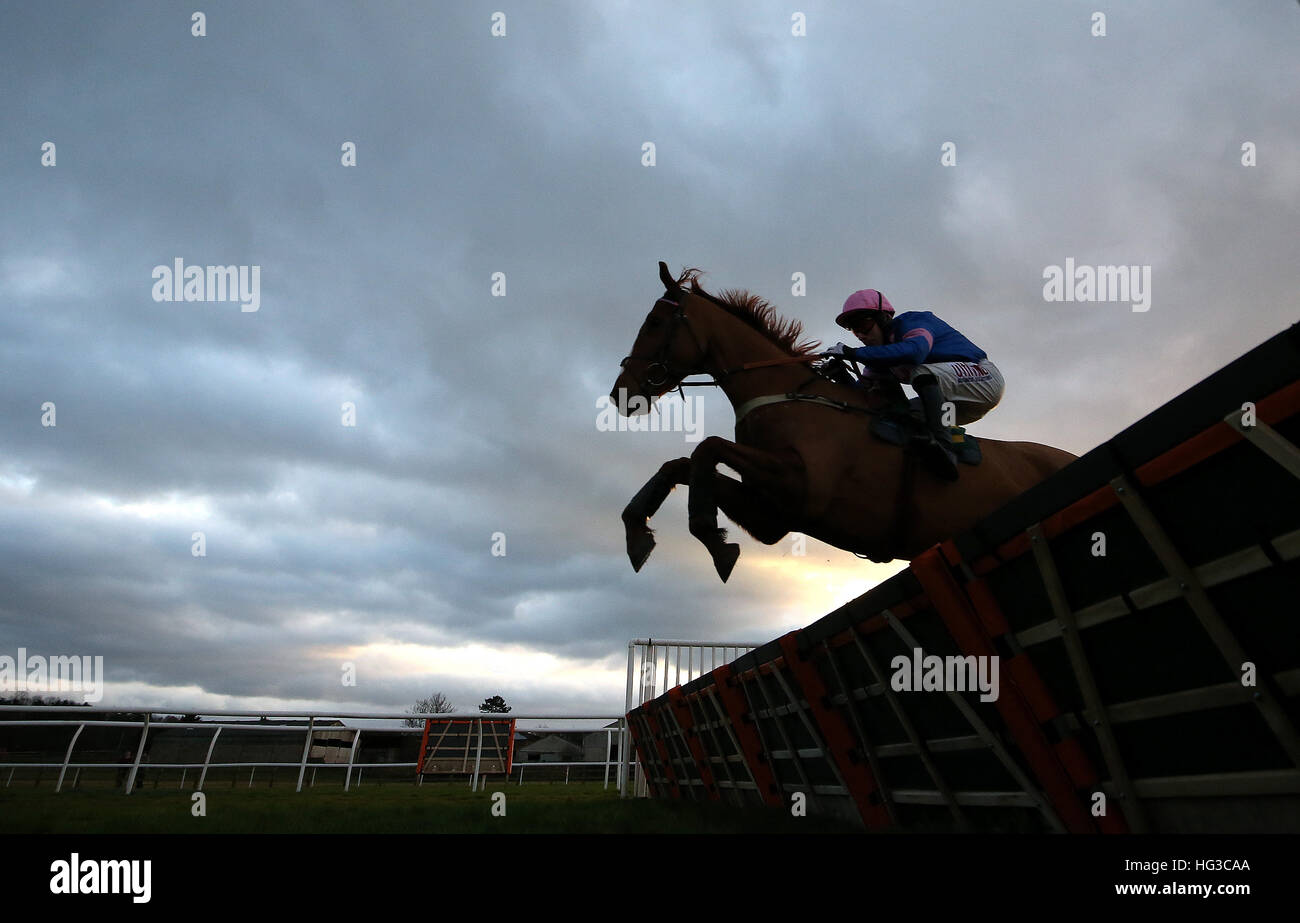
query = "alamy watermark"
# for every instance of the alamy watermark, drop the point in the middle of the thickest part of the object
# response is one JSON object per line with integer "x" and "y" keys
{"x": 1073, "y": 282}
{"x": 669, "y": 414}
{"x": 932, "y": 673}
{"x": 179, "y": 282}
{"x": 76, "y": 875}
{"x": 82, "y": 675}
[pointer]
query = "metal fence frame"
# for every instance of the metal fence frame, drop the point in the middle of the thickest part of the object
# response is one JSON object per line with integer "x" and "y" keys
{"x": 650, "y": 665}
{"x": 643, "y": 653}
{"x": 310, "y": 732}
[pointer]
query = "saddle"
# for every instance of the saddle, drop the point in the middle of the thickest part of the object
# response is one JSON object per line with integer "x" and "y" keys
{"x": 898, "y": 425}
{"x": 901, "y": 428}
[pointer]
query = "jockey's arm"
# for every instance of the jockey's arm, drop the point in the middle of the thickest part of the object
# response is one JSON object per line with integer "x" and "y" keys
{"x": 911, "y": 349}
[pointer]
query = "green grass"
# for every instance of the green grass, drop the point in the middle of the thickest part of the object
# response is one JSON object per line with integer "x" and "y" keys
{"x": 431, "y": 808}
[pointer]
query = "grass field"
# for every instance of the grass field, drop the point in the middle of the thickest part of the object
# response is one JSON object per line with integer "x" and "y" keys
{"x": 430, "y": 808}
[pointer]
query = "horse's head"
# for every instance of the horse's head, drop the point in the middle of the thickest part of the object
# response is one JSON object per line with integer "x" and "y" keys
{"x": 666, "y": 349}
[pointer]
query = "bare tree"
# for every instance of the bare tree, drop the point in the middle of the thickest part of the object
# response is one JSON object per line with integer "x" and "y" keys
{"x": 436, "y": 704}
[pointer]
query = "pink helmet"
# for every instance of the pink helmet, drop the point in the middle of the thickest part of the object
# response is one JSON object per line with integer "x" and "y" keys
{"x": 866, "y": 300}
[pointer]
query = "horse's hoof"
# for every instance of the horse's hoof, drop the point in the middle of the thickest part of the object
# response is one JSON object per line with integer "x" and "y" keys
{"x": 724, "y": 559}
{"x": 639, "y": 548}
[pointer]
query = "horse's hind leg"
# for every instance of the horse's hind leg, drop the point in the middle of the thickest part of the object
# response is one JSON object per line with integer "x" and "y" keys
{"x": 640, "y": 537}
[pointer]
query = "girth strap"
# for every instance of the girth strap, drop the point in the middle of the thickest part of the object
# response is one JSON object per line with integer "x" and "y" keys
{"x": 751, "y": 405}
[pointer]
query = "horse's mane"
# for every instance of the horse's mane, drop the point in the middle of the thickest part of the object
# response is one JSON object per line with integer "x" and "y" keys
{"x": 755, "y": 312}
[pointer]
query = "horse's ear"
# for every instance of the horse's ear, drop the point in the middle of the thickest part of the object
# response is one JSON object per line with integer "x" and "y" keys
{"x": 667, "y": 278}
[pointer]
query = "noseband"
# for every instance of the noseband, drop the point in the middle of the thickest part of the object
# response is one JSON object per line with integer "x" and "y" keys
{"x": 660, "y": 368}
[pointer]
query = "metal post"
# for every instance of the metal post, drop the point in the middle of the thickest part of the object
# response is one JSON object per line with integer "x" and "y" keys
{"x": 1212, "y": 621}
{"x": 182, "y": 783}
{"x": 644, "y": 695}
{"x": 1084, "y": 679}
{"x": 139, "y": 752}
{"x": 207, "y": 759}
{"x": 352, "y": 756}
{"x": 609, "y": 742}
{"x": 478, "y": 757}
{"x": 252, "y": 772}
{"x": 627, "y": 707}
{"x": 521, "y": 773}
{"x": 67, "y": 756}
{"x": 624, "y": 730}
{"x": 306, "y": 750}
{"x": 1269, "y": 441}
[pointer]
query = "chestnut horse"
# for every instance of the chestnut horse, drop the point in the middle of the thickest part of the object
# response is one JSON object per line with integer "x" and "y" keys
{"x": 806, "y": 463}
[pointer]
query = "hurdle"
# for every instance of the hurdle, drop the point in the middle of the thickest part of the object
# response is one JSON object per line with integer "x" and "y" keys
{"x": 1135, "y": 612}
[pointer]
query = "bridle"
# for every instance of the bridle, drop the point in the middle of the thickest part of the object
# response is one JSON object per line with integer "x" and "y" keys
{"x": 661, "y": 368}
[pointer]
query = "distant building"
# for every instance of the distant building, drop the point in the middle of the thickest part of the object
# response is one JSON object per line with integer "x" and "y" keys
{"x": 551, "y": 748}
{"x": 542, "y": 746}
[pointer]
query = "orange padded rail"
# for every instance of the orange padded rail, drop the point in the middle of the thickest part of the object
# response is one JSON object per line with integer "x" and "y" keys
{"x": 686, "y": 721}
{"x": 733, "y": 702}
{"x": 1013, "y": 704}
{"x": 841, "y": 744}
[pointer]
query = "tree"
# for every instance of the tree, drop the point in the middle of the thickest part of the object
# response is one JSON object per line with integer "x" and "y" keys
{"x": 436, "y": 704}
{"x": 26, "y": 698}
{"x": 495, "y": 704}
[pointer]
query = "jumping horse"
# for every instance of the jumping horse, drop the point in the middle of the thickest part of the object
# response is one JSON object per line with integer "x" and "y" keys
{"x": 803, "y": 449}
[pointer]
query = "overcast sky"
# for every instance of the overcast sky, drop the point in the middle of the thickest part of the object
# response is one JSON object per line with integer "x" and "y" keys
{"x": 476, "y": 414}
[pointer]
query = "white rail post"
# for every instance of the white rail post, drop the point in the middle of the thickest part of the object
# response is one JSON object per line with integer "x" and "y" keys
{"x": 67, "y": 756}
{"x": 139, "y": 753}
{"x": 622, "y": 751}
{"x": 478, "y": 757}
{"x": 306, "y": 750}
{"x": 649, "y": 668}
{"x": 203, "y": 776}
{"x": 609, "y": 742}
{"x": 352, "y": 756}
{"x": 627, "y": 707}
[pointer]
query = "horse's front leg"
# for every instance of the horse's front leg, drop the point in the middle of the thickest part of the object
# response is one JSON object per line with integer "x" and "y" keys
{"x": 755, "y": 466}
{"x": 636, "y": 515}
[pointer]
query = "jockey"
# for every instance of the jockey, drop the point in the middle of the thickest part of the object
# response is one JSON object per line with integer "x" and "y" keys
{"x": 936, "y": 360}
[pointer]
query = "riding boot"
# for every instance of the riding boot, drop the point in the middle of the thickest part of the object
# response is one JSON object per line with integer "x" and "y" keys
{"x": 938, "y": 448}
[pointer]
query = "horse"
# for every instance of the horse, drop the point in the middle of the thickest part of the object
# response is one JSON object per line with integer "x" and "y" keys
{"x": 806, "y": 459}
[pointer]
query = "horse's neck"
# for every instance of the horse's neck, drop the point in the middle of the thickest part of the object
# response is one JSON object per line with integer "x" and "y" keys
{"x": 737, "y": 344}
{"x": 731, "y": 353}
